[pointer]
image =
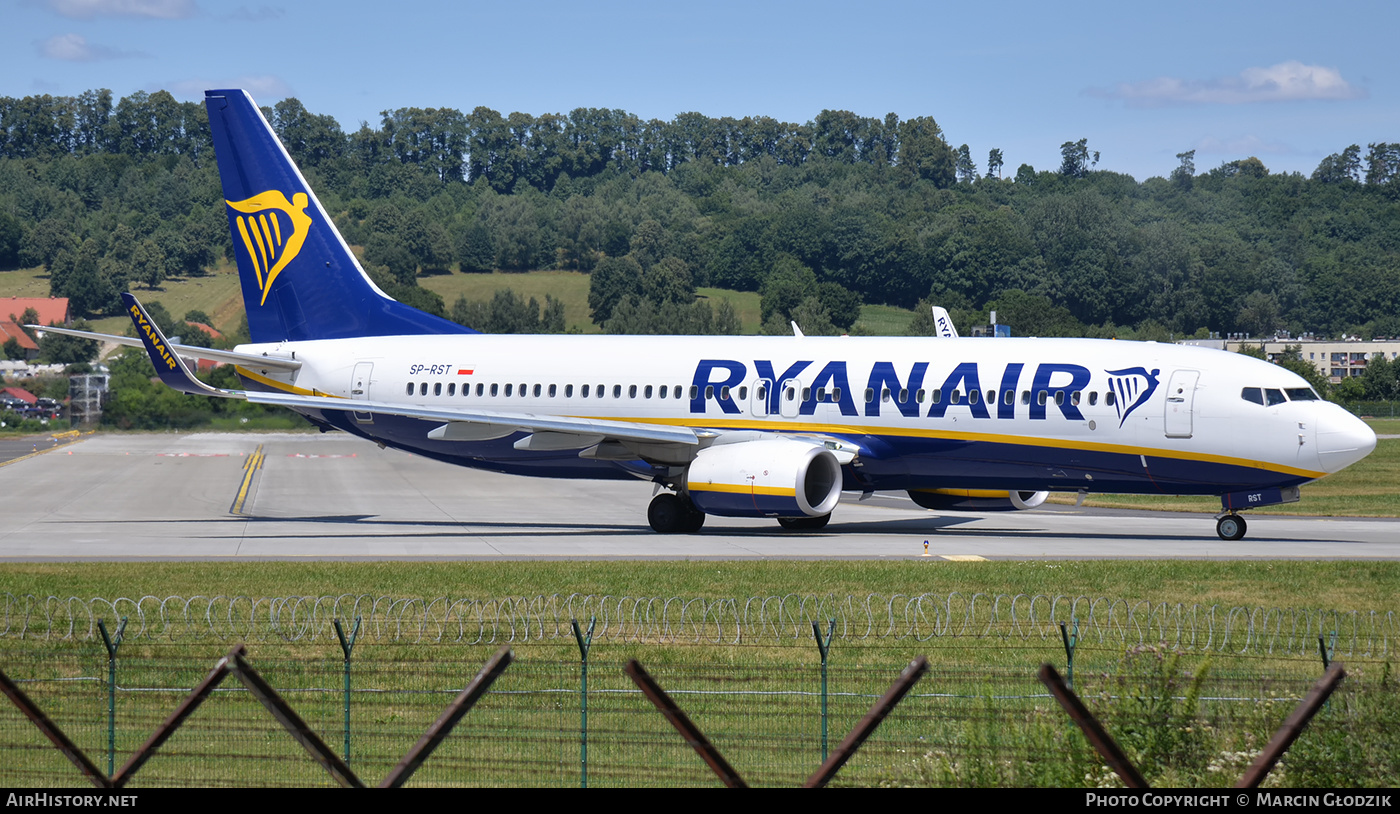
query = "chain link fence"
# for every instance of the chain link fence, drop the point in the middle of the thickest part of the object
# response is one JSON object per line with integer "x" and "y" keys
{"x": 976, "y": 719}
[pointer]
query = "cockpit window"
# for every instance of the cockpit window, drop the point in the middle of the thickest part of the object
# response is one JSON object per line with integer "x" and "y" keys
{"x": 1301, "y": 394}
{"x": 1273, "y": 396}
{"x": 1253, "y": 394}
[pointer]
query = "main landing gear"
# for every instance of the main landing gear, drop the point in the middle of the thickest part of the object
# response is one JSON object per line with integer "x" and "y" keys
{"x": 672, "y": 514}
{"x": 1230, "y": 527}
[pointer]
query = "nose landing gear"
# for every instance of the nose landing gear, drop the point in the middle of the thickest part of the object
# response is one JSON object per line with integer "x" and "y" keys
{"x": 1230, "y": 526}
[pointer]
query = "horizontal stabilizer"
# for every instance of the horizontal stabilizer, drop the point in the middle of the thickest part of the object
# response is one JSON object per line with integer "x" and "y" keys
{"x": 186, "y": 351}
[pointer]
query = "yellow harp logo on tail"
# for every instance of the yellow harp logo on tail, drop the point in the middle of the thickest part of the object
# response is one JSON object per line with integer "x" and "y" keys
{"x": 273, "y": 230}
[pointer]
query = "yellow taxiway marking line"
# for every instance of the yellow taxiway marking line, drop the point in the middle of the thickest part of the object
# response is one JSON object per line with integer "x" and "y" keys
{"x": 963, "y": 558}
{"x": 71, "y": 435}
{"x": 250, "y": 470}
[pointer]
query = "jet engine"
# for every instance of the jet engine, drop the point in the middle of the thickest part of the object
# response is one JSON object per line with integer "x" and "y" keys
{"x": 774, "y": 477}
{"x": 976, "y": 500}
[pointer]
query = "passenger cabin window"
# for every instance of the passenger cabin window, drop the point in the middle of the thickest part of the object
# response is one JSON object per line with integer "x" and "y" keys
{"x": 1254, "y": 394}
{"x": 583, "y": 393}
{"x": 452, "y": 388}
{"x": 480, "y": 388}
{"x": 744, "y": 393}
{"x": 678, "y": 391}
{"x": 1025, "y": 397}
{"x": 1093, "y": 398}
{"x": 709, "y": 392}
{"x": 537, "y": 391}
{"x": 409, "y": 391}
{"x": 869, "y": 394}
{"x": 1272, "y": 396}
{"x": 423, "y": 389}
{"x": 552, "y": 390}
{"x": 508, "y": 390}
{"x": 1040, "y": 398}
{"x": 493, "y": 389}
{"x": 919, "y": 396}
{"x": 647, "y": 392}
{"x": 1059, "y": 397}
{"x": 1008, "y": 397}
{"x": 1110, "y": 398}
{"x": 617, "y": 391}
{"x": 661, "y": 391}
{"x": 955, "y": 397}
{"x": 569, "y": 391}
{"x": 632, "y": 391}
{"x": 437, "y": 388}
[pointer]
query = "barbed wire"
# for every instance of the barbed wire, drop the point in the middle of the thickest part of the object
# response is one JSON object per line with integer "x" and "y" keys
{"x": 773, "y": 619}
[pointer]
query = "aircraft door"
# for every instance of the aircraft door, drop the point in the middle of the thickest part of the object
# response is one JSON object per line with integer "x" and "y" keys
{"x": 359, "y": 389}
{"x": 758, "y": 396}
{"x": 790, "y": 398}
{"x": 1181, "y": 396}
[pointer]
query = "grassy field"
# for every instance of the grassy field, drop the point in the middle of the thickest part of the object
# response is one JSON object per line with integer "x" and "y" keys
{"x": 1350, "y": 585}
{"x": 216, "y": 294}
{"x": 979, "y": 718}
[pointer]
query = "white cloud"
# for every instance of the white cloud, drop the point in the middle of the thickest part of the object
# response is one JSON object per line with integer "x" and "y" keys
{"x": 157, "y": 9}
{"x": 76, "y": 48}
{"x": 1285, "y": 82}
{"x": 265, "y": 89}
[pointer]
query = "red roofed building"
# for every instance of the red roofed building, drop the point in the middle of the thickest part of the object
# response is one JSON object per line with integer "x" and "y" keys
{"x": 19, "y": 393}
{"x": 11, "y": 330}
{"x": 51, "y": 310}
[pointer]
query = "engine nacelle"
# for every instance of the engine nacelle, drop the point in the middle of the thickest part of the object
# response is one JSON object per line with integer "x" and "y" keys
{"x": 976, "y": 500}
{"x": 774, "y": 477}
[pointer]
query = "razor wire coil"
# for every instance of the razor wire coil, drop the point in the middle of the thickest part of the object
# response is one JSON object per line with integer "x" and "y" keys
{"x": 773, "y": 619}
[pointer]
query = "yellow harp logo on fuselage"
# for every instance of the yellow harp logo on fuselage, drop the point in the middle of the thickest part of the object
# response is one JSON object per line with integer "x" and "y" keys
{"x": 273, "y": 230}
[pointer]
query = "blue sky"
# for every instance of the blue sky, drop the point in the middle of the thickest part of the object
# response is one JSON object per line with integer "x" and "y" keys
{"x": 1286, "y": 81}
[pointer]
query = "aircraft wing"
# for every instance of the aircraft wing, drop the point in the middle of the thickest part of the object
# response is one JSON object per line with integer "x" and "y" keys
{"x": 187, "y": 351}
{"x": 504, "y": 421}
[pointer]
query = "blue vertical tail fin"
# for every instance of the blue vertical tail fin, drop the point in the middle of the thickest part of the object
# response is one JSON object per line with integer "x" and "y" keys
{"x": 300, "y": 281}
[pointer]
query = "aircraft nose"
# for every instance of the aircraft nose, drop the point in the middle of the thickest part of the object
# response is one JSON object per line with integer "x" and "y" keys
{"x": 1342, "y": 438}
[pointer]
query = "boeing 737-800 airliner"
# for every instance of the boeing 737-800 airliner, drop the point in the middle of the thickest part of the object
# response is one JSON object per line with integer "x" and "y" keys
{"x": 741, "y": 426}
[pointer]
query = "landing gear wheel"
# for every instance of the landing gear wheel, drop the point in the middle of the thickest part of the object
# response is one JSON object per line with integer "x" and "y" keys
{"x": 1231, "y": 527}
{"x": 694, "y": 519}
{"x": 669, "y": 514}
{"x": 666, "y": 513}
{"x": 804, "y": 523}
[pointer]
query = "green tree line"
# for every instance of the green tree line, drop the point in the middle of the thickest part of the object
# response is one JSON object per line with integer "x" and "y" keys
{"x": 819, "y": 217}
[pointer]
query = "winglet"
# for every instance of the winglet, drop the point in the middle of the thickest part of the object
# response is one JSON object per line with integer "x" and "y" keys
{"x": 944, "y": 323}
{"x": 169, "y": 366}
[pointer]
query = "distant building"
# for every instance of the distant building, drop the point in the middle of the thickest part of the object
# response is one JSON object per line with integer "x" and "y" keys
{"x": 1335, "y": 359}
{"x": 11, "y": 330}
{"x": 51, "y": 310}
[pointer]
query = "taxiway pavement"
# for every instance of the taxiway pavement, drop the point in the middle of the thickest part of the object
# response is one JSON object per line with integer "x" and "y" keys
{"x": 293, "y": 496}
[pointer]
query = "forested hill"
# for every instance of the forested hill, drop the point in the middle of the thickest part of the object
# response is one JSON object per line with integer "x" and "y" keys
{"x": 108, "y": 194}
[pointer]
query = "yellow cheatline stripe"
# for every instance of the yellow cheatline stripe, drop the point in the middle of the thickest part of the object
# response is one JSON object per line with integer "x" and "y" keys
{"x": 740, "y": 489}
{"x": 993, "y": 438}
{"x": 251, "y": 466}
{"x": 963, "y": 558}
{"x": 248, "y": 242}
{"x": 993, "y": 493}
{"x": 282, "y": 386}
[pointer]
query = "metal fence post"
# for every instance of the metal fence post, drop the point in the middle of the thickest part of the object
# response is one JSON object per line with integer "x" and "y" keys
{"x": 346, "y": 646}
{"x": 585, "y": 641}
{"x": 111, "y": 643}
{"x": 1071, "y": 641}
{"x": 824, "y": 647}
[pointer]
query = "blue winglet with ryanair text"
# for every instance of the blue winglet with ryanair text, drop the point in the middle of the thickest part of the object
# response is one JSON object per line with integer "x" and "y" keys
{"x": 170, "y": 367}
